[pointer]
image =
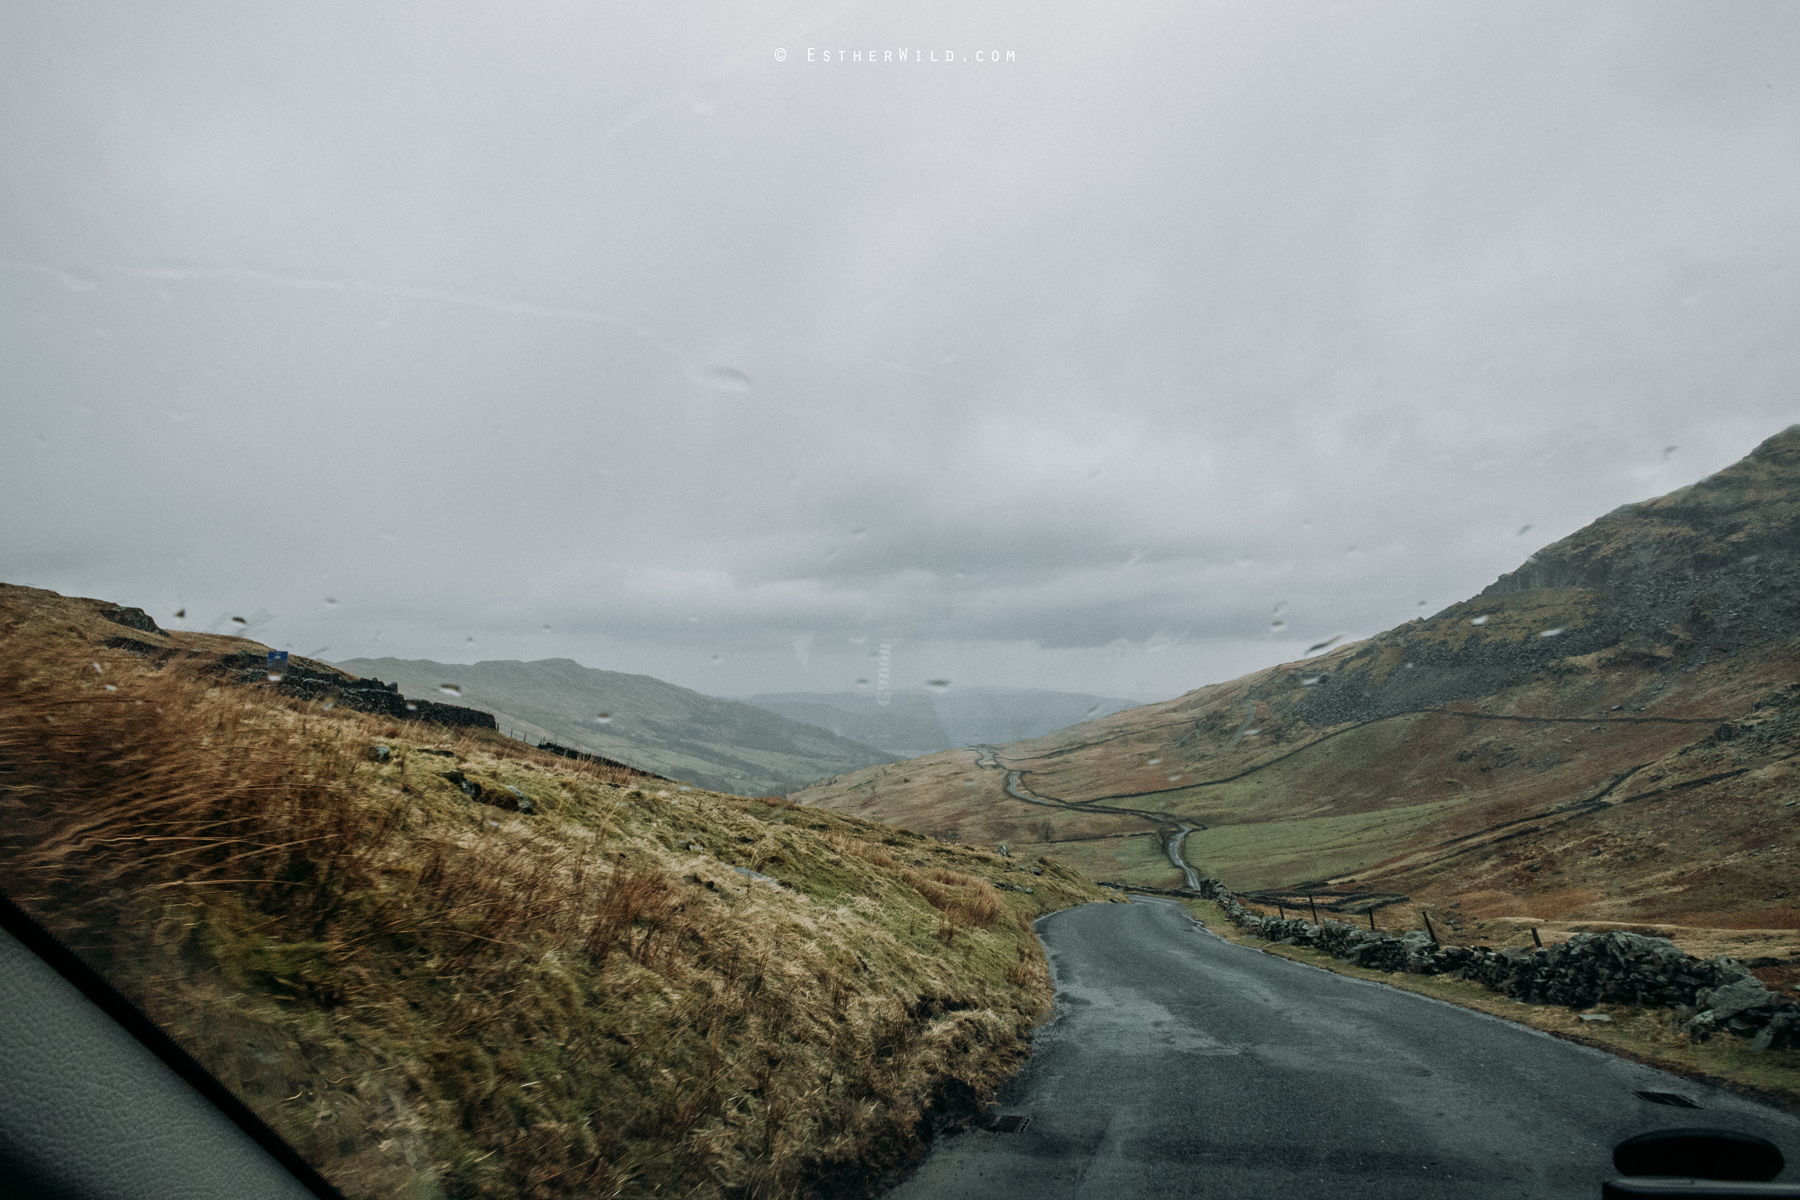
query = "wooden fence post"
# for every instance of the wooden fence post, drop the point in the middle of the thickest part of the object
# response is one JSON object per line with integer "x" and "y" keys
{"x": 1315, "y": 909}
{"x": 1429, "y": 929}
{"x": 1536, "y": 938}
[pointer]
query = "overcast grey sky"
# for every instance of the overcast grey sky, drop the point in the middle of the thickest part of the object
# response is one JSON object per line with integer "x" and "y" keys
{"x": 677, "y": 339}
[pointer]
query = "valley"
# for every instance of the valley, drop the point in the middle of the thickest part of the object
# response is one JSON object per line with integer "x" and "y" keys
{"x": 1606, "y": 737}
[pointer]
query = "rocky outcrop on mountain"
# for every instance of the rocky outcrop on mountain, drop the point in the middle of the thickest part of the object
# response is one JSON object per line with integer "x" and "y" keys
{"x": 1704, "y": 571}
{"x": 1743, "y": 520}
{"x": 132, "y": 618}
{"x": 364, "y": 695}
{"x": 1432, "y": 673}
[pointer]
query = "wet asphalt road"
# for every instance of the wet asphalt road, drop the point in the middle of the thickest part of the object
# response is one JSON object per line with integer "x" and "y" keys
{"x": 1178, "y": 1064}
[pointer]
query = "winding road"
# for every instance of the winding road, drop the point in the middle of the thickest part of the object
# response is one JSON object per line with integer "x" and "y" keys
{"x": 987, "y": 757}
{"x": 1178, "y": 1064}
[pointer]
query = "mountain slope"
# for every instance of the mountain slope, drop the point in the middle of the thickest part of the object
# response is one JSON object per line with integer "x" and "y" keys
{"x": 720, "y": 744}
{"x": 1608, "y": 733}
{"x": 441, "y": 963}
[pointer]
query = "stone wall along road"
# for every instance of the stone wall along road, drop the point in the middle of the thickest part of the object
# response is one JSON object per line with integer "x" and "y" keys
{"x": 1178, "y": 1064}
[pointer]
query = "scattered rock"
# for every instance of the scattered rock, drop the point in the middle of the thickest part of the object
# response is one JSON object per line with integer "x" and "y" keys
{"x": 758, "y": 876}
{"x": 132, "y": 618}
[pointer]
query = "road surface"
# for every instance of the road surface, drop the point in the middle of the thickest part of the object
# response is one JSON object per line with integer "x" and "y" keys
{"x": 1178, "y": 1064}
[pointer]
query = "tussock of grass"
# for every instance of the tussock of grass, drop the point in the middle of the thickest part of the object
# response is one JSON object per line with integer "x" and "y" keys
{"x": 429, "y": 995}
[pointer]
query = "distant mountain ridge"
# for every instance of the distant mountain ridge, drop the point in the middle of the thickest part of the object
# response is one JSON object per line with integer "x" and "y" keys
{"x": 921, "y": 722}
{"x": 723, "y": 745}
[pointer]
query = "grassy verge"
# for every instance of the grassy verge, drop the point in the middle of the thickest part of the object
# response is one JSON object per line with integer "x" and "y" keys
{"x": 460, "y": 967}
{"x": 1651, "y": 1036}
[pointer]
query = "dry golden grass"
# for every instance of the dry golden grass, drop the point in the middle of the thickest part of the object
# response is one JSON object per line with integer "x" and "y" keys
{"x": 432, "y": 996}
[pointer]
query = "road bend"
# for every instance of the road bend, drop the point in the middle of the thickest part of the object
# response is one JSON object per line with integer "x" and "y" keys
{"x": 988, "y": 758}
{"x": 1179, "y": 1064}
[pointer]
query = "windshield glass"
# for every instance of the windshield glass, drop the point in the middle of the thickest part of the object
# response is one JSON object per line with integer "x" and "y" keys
{"x": 925, "y": 380}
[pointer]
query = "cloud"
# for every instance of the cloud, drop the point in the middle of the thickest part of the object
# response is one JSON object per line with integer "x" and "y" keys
{"x": 615, "y": 323}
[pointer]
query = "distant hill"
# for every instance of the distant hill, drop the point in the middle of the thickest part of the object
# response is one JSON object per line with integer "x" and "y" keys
{"x": 723, "y": 745}
{"x": 1609, "y": 733}
{"x": 919, "y": 722}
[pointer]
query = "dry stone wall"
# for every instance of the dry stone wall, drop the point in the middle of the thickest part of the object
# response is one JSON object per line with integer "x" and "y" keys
{"x": 1715, "y": 994}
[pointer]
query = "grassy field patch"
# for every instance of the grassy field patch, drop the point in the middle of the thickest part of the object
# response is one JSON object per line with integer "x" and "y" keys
{"x": 1275, "y": 853}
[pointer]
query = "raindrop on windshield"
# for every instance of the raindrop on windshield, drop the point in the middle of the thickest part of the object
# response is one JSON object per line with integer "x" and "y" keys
{"x": 1668, "y": 450}
{"x": 938, "y": 685}
{"x": 390, "y": 535}
{"x": 718, "y": 658}
{"x": 968, "y": 783}
{"x": 1277, "y": 625}
{"x": 181, "y": 614}
{"x": 239, "y": 621}
{"x": 1174, "y": 779}
{"x": 862, "y": 683}
{"x": 331, "y": 602}
{"x": 1551, "y": 632}
{"x": 1523, "y": 530}
{"x": 724, "y": 379}
{"x": 1329, "y": 642}
{"x": 1421, "y": 604}
{"x": 1089, "y": 715}
{"x": 450, "y": 689}
{"x": 1310, "y": 680}
{"x": 1482, "y": 620}
{"x": 1154, "y": 761}
{"x": 603, "y": 719}
{"x": 469, "y": 641}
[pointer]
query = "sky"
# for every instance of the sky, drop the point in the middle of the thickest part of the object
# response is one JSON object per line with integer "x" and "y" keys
{"x": 1105, "y": 348}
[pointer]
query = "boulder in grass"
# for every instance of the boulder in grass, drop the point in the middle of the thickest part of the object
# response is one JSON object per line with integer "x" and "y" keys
{"x": 131, "y": 618}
